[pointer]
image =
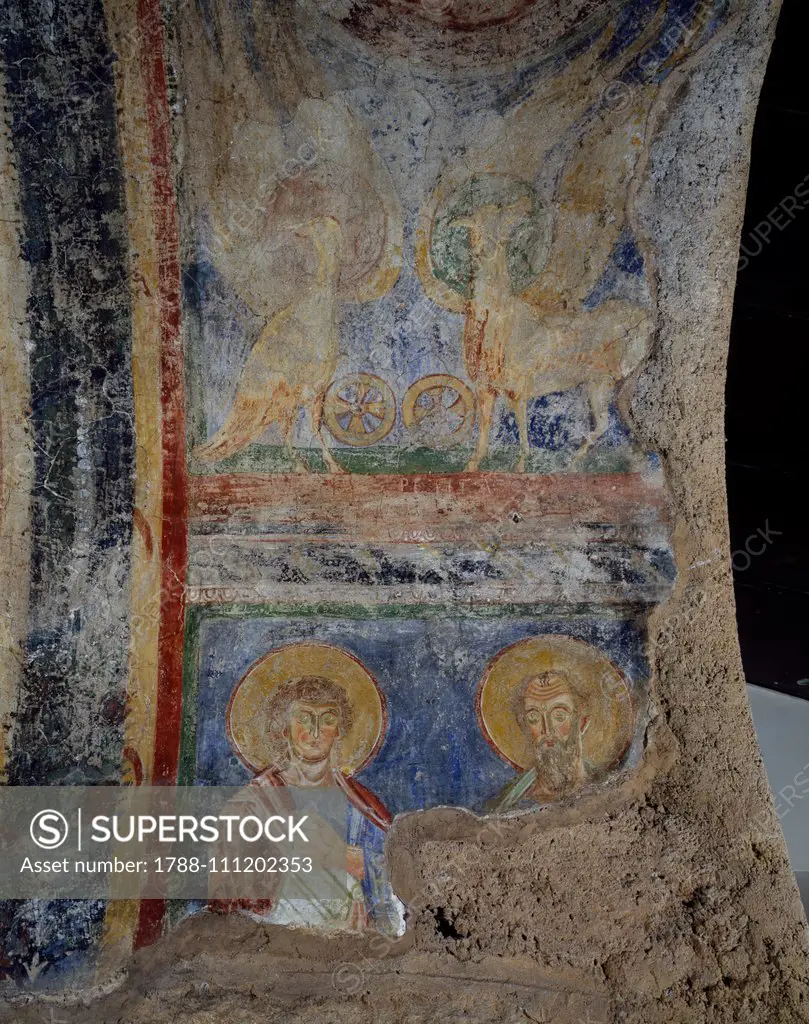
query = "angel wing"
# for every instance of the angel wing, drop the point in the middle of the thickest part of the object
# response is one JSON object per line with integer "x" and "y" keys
{"x": 280, "y": 151}
{"x": 579, "y": 138}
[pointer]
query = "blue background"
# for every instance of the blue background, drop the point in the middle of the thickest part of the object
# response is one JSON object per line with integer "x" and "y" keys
{"x": 428, "y": 668}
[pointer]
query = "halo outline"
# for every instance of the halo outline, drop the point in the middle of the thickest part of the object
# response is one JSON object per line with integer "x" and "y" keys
{"x": 382, "y": 729}
{"x": 630, "y": 723}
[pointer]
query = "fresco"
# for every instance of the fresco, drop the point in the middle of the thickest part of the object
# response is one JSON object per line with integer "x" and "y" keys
{"x": 417, "y": 296}
{"x": 356, "y": 502}
{"x": 401, "y": 268}
{"x": 311, "y": 716}
{"x": 574, "y": 715}
{"x": 414, "y": 709}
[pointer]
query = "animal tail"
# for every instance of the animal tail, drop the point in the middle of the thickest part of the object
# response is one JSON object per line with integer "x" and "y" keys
{"x": 248, "y": 418}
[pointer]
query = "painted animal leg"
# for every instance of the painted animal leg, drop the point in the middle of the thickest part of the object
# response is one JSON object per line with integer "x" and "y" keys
{"x": 486, "y": 401}
{"x": 288, "y": 417}
{"x": 316, "y": 414}
{"x": 251, "y": 413}
{"x": 600, "y": 395}
{"x": 521, "y": 409}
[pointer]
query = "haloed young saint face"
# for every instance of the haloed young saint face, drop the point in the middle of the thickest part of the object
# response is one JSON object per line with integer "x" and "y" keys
{"x": 312, "y": 729}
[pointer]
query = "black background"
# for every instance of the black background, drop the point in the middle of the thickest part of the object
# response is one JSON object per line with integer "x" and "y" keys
{"x": 768, "y": 382}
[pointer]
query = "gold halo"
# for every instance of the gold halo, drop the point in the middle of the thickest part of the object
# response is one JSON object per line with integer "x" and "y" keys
{"x": 246, "y": 716}
{"x": 602, "y": 684}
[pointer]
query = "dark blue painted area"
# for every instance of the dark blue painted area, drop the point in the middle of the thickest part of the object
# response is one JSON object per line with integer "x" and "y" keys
{"x": 59, "y": 82}
{"x": 428, "y": 668}
{"x": 627, "y": 256}
{"x": 623, "y": 276}
{"x": 519, "y": 86}
{"x": 58, "y": 72}
{"x": 630, "y": 21}
{"x": 58, "y": 931}
{"x": 662, "y": 560}
{"x": 560, "y": 421}
{"x": 684, "y": 21}
{"x": 549, "y": 423}
{"x": 686, "y": 24}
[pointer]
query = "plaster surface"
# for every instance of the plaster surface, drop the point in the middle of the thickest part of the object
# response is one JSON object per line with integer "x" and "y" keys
{"x": 660, "y": 890}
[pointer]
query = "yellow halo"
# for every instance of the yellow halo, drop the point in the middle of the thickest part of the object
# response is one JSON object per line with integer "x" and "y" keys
{"x": 246, "y": 718}
{"x": 596, "y": 679}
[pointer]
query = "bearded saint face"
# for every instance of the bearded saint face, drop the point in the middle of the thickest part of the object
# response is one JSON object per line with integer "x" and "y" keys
{"x": 555, "y": 722}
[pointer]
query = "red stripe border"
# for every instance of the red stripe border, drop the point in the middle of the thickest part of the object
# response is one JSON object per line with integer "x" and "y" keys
{"x": 174, "y": 540}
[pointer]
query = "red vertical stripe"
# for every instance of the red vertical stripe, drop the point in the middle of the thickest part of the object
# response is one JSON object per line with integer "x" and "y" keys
{"x": 174, "y": 542}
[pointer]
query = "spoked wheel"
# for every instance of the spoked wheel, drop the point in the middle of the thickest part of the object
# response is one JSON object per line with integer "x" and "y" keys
{"x": 439, "y": 410}
{"x": 359, "y": 409}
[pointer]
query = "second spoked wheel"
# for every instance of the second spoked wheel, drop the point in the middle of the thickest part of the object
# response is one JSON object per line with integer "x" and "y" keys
{"x": 439, "y": 410}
